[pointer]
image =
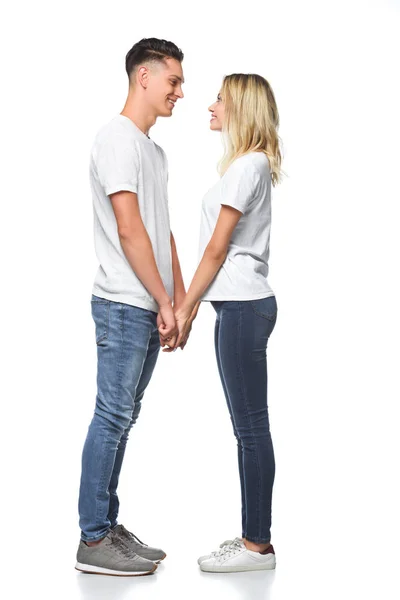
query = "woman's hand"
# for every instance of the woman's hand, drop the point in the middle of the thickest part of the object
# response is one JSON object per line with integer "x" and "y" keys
{"x": 187, "y": 326}
{"x": 182, "y": 318}
{"x": 171, "y": 342}
{"x": 187, "y": 332}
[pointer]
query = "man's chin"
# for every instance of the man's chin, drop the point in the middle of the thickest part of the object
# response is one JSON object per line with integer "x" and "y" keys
{"x": 166, "y": 112}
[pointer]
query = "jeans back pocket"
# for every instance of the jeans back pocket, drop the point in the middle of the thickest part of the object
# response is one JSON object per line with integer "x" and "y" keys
{"x": 266, "y": 308}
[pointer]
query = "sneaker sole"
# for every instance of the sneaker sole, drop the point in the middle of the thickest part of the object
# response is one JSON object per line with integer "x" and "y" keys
{"x": 102, "y": 571}
{"x": 238, "y": 569}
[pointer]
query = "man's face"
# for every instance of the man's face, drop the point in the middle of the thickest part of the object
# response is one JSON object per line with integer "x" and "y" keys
{"x": 217, "y": 111}
{"x": 165, "y": 86}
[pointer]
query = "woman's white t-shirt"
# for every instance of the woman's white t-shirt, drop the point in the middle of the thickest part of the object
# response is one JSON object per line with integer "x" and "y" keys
{"x": 246, "y": 186}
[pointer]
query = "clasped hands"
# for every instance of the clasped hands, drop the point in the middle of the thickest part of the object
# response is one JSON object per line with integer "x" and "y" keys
{"x": 174, "y": 326}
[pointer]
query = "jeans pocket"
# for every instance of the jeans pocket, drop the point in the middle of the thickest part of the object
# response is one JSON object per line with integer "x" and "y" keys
{"x": 101, "y": 317}
{"x": 266, "y": 308}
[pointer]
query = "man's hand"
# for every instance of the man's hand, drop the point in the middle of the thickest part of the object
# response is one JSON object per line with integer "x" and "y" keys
{"x": 167, "y": 326}
{"x": 184, "y": 319}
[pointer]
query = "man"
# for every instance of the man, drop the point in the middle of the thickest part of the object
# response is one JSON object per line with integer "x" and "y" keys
{"x": 136, "y": 290}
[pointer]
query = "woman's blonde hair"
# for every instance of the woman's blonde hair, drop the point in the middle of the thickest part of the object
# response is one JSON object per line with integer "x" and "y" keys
{"x": 251, "y": 121}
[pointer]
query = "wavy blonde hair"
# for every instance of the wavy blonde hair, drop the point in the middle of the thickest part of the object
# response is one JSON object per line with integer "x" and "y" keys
{"x": 251, "y": 121}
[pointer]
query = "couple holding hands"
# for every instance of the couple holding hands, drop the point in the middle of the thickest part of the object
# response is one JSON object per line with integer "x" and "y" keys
{"x": 139, "y": 302}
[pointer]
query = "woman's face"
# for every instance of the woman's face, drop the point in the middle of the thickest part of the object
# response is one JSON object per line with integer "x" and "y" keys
{"x": 217, "y": 114}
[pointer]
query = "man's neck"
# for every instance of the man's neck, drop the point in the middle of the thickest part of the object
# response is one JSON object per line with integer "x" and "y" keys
{"x": 141, "y": 118}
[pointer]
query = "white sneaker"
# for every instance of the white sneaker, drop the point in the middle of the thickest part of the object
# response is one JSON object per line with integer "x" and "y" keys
{"x": 226, "y": 543}
{"x": 235, "y": 557}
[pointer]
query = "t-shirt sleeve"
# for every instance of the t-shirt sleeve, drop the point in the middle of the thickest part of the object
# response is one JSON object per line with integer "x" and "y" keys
{"x": 238, "y": 184}
{"x": 117, "y": 163}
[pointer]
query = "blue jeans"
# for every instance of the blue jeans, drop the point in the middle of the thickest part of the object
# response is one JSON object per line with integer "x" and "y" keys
{"x": 127, "y": 349}
{"x": 242, "y": 330}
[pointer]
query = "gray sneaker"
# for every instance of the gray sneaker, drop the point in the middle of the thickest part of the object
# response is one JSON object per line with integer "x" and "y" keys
{"x": 154, "y": 554}
{"x": 112, "y": 557}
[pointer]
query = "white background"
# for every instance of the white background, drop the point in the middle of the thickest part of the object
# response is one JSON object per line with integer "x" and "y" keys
{"x": 333, "y": 356}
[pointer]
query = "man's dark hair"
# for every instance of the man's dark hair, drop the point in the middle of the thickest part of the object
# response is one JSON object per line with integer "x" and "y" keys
{"x": 153, "y": 50}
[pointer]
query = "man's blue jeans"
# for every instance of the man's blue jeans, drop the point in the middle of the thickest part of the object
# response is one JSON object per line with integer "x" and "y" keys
{"x": 127, "y": 349}
{"x": 242, "y": 330}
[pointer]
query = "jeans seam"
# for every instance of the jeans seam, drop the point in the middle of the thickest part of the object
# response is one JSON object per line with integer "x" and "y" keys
{"x": 100, "y": 482}
{"x": 242, "y": 387}
{"x": 107, "y": 323}
{"x": 104, "y": 331}
{"x": 119, "y": 376}
{"x": 223, "y": 385}
{"x": 217, "y": 330}
{"x": 120, "y": 359}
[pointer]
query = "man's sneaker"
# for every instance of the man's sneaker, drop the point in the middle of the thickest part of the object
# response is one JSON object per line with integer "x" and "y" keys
{"x": 226, "y": 543}
{"x": 112, "y": 557}
{"x": 154, "y": 554}
{"x": 235, "y": 557}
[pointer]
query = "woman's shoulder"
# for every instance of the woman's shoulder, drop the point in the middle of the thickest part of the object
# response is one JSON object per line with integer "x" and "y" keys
{"x": 256, "y": 162}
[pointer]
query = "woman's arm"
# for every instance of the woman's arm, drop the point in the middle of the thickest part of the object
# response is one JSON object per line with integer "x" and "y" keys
{"x": 213, "y": 257}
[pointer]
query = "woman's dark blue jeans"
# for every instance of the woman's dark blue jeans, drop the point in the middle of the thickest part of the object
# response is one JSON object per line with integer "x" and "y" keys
{"x": 242, "y": 330}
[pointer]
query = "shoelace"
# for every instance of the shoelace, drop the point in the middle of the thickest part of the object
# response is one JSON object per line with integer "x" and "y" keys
{"x": 130, "y": 534}
{"x": 122, "y": 547}
{"x": 229, "y": 549}
{"x": 226, "y": 543}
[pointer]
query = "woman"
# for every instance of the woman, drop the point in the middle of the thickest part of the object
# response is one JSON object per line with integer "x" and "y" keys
{"x": 232, "y": 275}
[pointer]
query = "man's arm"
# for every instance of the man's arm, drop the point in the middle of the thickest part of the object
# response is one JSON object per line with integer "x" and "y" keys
{"x": 138, "y": 250}
{"x": 179, "y": 286}
{"x": 180, "y": 294}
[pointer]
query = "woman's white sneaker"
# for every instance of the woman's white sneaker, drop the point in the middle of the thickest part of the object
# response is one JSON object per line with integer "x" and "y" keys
{"x": 235, "y": 557}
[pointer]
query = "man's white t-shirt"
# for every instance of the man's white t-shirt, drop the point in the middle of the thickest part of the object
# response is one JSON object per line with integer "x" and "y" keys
{"x": 123, "y": 158}
{"x": 246, "y": 186}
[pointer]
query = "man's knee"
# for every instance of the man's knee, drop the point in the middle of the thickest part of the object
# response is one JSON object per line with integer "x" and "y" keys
{"x": 114, "y": 418}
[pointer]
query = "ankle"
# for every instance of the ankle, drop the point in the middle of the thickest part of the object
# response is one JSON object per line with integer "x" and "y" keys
{"x": 96, "y": 543}
{"x": 256, "y": 547}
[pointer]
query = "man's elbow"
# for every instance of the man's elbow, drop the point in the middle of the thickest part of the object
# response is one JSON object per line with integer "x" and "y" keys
{"x": 125, "y": 233}
{"x": 131, "y": 234}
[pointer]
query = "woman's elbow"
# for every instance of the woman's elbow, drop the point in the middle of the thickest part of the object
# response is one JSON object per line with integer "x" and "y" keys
{"x": 215, "y": 253}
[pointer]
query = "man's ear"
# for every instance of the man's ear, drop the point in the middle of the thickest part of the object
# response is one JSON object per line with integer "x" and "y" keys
{"x": 143, "y": 76}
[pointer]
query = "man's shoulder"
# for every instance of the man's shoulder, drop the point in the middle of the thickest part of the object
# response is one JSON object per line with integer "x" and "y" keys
{"x": 113, "y": 129}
